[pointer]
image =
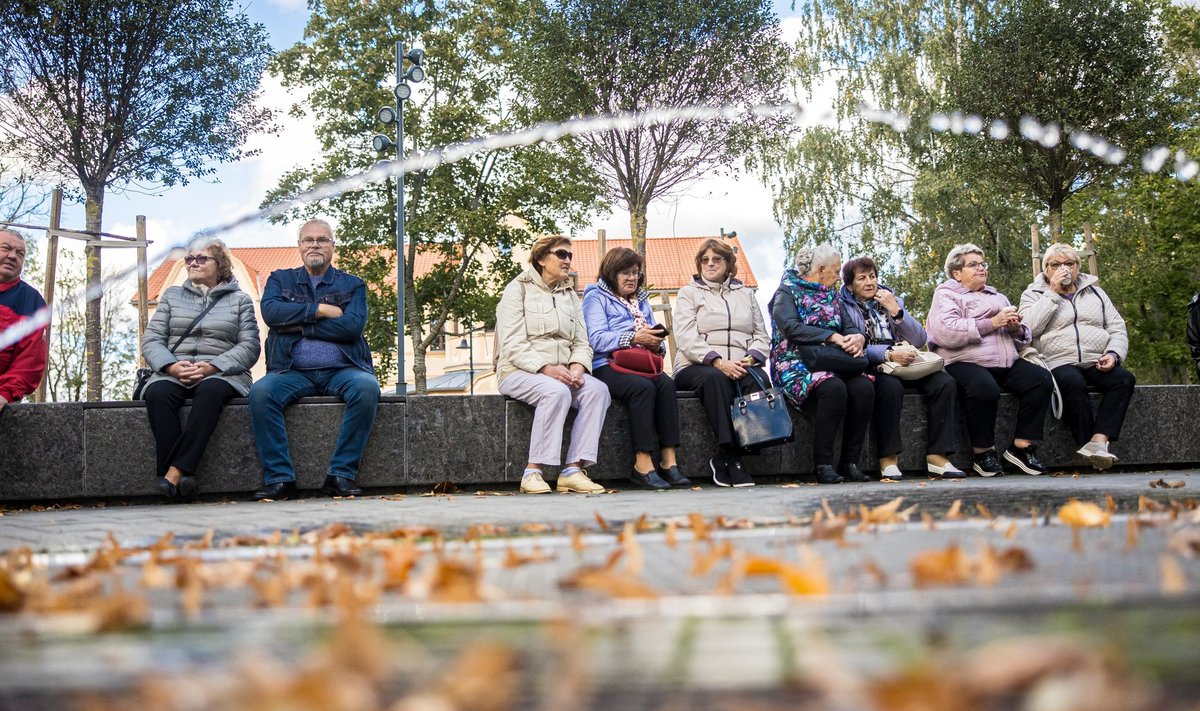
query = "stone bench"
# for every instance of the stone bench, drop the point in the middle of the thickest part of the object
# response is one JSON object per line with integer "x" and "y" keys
{"x": 69, "y": 450}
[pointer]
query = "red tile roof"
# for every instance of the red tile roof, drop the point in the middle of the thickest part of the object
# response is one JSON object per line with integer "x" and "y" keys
{"x": 672, "y": 262}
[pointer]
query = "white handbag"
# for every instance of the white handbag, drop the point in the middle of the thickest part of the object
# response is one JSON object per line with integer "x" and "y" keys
{"x": 926, "y": 363}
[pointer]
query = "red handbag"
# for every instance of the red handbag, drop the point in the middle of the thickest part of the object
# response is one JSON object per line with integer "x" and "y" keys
{"x": 636, "y": 361}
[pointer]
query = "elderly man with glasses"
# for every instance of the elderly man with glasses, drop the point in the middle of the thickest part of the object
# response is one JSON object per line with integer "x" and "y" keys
{"x": 316, "y": 315}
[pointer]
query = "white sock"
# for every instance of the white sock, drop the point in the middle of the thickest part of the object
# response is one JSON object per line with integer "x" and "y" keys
{"x": 530, "y": 472}
{"x": 568, "y": 471}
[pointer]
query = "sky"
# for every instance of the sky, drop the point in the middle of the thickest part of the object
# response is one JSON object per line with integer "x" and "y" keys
{"x": 738, "y": 203}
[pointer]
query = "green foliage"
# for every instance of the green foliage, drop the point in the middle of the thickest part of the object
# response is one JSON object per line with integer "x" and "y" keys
{"x": 590, "y": 57}
{"x": 467, "y": 216}
{"x": 1123, "y": 70}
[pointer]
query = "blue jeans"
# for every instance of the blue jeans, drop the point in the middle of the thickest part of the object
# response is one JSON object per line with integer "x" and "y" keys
{"x": 275, "y": 391}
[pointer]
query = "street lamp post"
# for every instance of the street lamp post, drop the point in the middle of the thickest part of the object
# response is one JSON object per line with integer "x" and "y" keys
{"x": 470, "y": 348}
{"x": 388, "y": 115}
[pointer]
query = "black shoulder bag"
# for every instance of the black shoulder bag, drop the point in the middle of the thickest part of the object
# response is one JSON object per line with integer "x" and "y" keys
{"x": 143, "y": 374}
{"x": 760, "y": 419}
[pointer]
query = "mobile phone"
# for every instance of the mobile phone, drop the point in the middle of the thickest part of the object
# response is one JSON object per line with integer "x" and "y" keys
{"x": 660, "y": 330}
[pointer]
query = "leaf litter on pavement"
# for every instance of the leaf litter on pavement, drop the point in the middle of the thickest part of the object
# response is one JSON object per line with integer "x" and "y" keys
{"x": 350, "y": 572}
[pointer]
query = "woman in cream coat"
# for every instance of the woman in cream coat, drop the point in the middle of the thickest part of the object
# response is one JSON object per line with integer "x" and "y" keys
{"x": 719, "y": 336}
{"x": 544, "y": 360}
{"x": 1078, "y": 331}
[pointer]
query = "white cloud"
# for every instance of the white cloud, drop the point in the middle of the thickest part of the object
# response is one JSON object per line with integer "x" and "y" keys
{"x": 294, "y": 145}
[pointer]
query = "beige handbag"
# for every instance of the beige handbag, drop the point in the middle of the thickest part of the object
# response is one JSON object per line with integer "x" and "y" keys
{"x": 926, "y": 363}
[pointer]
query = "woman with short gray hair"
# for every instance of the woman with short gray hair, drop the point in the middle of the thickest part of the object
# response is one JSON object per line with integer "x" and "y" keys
{"x": 978, "y": 332}
{"x": 818, "y": 359}
{"x": 1082, "y": 337}
{"x": 201, "y": 344}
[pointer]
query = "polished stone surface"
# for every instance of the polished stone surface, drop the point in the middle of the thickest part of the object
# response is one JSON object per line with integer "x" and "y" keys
{"x": 42, "y": 451}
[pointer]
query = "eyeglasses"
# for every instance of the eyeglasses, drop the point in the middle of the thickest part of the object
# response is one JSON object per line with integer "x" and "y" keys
{"x": 315, "y": 241}
{"x": 976, "y": 265}
{"x": 712, "y": 260}
{"x": 197, "y": 259}
{"x": 635, "y": 274}
{"x": 563, "y": 254}
{"x": 1056, "y": 265}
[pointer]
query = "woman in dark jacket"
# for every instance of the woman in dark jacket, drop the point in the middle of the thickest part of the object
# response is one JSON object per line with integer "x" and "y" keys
{"x": 210, "y": 366}
{"x": 812, "y": 332}
{"x": 880, "y": 315}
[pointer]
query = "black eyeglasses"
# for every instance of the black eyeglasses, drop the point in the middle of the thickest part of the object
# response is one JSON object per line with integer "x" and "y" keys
{"x": 199, "y": 259}
{"x": 563, "y": 254}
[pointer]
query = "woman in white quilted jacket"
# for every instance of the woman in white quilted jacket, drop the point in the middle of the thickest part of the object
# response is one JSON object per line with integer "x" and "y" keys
{"x": 1081, "y": 336}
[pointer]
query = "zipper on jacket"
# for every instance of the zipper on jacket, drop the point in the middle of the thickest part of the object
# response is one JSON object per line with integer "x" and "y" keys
{"x": 1075, "y": 325}
{"x": 729, "y": 327}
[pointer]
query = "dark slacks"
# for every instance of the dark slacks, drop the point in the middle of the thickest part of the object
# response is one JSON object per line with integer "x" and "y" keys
{"x": 941, "y": 396}
{"x": 183, "y": 446}
{"x": 716, "y": 394}
{"x": 651, "y": 403}
{"x": 1116, "y": 388}
{"x": 844, "y": 402}
{"x": 979, "y": 393}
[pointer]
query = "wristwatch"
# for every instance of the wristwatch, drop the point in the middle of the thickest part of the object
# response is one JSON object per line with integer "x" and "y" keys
{"x": 899, "y": 316}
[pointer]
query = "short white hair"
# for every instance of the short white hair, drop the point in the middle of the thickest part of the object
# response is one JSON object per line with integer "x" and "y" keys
{"x": 809, "y": 258}
{"x": 958, "y": 257}
{"x": 315, "y": 221}
{"x": 1059, "y": 248}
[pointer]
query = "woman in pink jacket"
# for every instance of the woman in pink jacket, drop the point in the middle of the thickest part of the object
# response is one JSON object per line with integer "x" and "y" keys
{"x": 978, "y": 331}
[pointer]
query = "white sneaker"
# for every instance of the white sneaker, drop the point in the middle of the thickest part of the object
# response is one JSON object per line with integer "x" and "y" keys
{"x": 578, "y": 483}
{"x": 1097, "y": 453}
{"x": 891, "y": 471}
{"x": 534, "y": 484}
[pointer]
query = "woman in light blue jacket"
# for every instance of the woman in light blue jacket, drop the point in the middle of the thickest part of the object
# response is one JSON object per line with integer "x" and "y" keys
{"x": 619, "y": 318}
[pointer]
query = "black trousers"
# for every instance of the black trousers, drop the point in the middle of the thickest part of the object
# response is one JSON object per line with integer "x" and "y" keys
{"x": 979, "y": 392}
{"x": 178, "y": 446}
{"x": 716, "y": 394}
{"x": 652, "y": 406}
{"x": 844, "y": 402}
{"x": 1116, "y": 387}
{"x": 941, "y": 395}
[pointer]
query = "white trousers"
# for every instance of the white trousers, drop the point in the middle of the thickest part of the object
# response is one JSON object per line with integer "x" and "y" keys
{"x": 551, "y": 401}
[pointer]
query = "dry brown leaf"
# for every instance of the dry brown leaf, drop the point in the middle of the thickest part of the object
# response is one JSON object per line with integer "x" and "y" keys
{"x": 191, "y": 589}
{"x": 535, "y": 528}
{"x": 327, "y": 533}
{"x": 789, "y": 486}
{"x": 927, "y": 521}
{"x": 949, "y": 566}
{"x": 1110, "y": 504}
{"x": 643, "y": 524}
{"x": 1132, "y": 529}
{"x": 513, "y": 559}
{"x": 609, "y": 582}
{"x": 702, "y": 564}
{"x": 670, "y": 538}
{"x": 576, "y": 535}
{"x": 955, "y": 511}
{"x": 119, "y": 611}
{"x": 829, "y": 528}
{"x": 1172, "y": 579}
{"x": 871, "y": 568}
{"x": 885, "y": 513}
{"x": 1149, "y": 505}
{"x": 601, "y": 522}
{"x": 1185, "y": 542}
{"x": 485, "y": 677}
{"x": 445, "y": 488}
{"x": 633, "y": 551}
{"x": 455, "y": 581}
{"x": 481, "y": 530}
{"x": 1080, "y": 514}
{"x": 398, "y": 562}
{"x": 1011, "y": 532}
{"x": 154, "y": 575}
{"x": 699, "y": 527}
{"x": 983, "y": 510}
{"x": 1164, "y": 484}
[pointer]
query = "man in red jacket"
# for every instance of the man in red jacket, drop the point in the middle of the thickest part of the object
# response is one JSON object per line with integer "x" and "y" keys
{"x": 22, "y": 363}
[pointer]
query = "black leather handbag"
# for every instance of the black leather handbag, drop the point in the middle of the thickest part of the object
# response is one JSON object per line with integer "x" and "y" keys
{"x": 143, "y": 374}
{"x": 760, "y": 419}
{"x": 833, "y": 359}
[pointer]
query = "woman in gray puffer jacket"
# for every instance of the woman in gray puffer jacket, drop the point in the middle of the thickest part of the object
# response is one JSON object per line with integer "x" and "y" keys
{"x": 1078, "y": 331}
{"x": 210, "y": 366}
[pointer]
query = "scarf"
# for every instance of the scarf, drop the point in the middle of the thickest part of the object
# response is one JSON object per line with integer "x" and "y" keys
{"x": 817, "y": 305}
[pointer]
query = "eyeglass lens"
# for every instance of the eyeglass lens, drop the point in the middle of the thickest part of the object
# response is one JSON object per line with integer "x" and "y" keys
{"x": 563, "y": 254}
{"x": 196, "y": 259}
{"x": 310, "y": 241}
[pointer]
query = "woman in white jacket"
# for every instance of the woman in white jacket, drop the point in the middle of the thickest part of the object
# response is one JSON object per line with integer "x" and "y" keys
{"x": 1078, "y": 331}
{"x": 544, "y": 360}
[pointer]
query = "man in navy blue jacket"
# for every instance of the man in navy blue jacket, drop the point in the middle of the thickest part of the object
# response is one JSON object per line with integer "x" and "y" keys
{"x": 315, "y": 346}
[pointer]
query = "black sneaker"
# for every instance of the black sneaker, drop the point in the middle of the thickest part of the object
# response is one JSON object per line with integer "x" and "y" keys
{"x": 1025, "y": 459}
{"x": 851, "y": 472}
{"x": 826, "y": 474}
{"x": 720, "y": 474}
{"x": 737, "y": 475}
{"x": 987, "y": 463}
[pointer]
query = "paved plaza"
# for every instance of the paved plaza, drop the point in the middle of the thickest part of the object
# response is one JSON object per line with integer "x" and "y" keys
{"x": 729, "y": 591}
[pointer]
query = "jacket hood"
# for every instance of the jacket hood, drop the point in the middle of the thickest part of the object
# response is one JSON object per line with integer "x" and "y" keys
{"x": 530, "y": 276}
{"x": 1041, "y": 283}
{"x": 223, "y": 287}
{"x": 957, "y": 288}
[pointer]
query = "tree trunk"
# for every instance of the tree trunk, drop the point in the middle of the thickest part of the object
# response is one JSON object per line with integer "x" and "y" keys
{"x": 93, "y": 353}
{"x": 637, "y": 228}
{"x": 415, "y": 332}
{"x": 1055, "y": 217}
{"x": 419, "y": 369}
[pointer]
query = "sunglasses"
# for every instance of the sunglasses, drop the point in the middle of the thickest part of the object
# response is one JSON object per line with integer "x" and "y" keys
{"x": 563, "y": 254}
{"x": 198, "y": 259}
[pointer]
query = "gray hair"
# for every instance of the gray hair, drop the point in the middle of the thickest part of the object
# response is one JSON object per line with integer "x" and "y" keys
{"x": 810, "y": 258}
{"x": 14, "y": 233}
{"x": 315, "y": 221}
{"x": 1057, "y": 249}
{"x": 958, "y": 257}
